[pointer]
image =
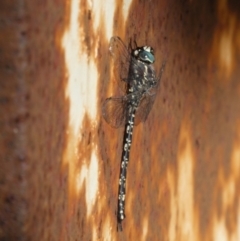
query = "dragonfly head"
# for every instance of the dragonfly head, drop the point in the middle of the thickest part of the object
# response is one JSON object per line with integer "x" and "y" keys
{"x": 144, "y": 54}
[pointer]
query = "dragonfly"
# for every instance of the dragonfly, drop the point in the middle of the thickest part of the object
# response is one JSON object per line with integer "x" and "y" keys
{"x": 136, "y": 74}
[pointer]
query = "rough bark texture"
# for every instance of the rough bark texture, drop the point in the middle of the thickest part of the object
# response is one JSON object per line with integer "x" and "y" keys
{"x": 184, "y": 170}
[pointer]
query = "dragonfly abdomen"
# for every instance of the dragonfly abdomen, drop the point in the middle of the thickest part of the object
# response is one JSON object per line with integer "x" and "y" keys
{"x": 124, "y": 164}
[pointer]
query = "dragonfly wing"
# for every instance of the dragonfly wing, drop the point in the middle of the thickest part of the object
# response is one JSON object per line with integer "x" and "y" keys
{"x": 144, "y": 108}
{"x": 148, "y": 99}
{"x": 114, "y": 111}
{"x": 121, "y": 58}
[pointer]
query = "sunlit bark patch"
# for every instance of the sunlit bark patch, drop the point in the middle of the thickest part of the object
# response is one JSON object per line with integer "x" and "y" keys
{"x": 184, "y": 218}
{"x": 107, "y": 232}
{"x": 81, "y": 91}
{"x": 225, "y": 45}
{"x": 88, "y": 175}
{"x": 226, "y": 225}
{"x": 144, "y": 229}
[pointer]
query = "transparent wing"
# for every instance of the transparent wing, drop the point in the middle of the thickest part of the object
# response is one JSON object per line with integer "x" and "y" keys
{"x": 147, "y": 100}
{"x": 144, "y": 108}
{"x": 121, "y": 58}
{"x": 114, "y": 111}
{"x": 161, "y": 70}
